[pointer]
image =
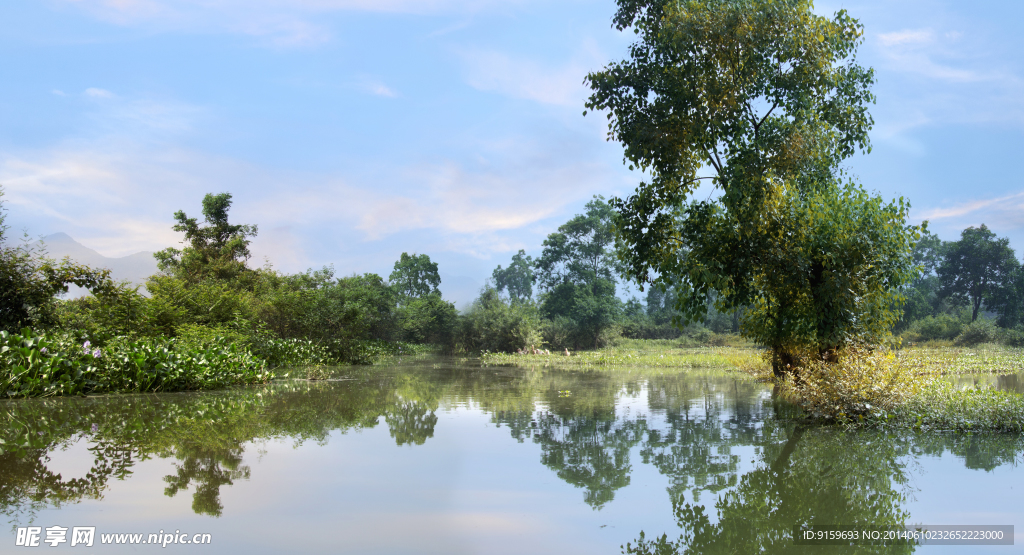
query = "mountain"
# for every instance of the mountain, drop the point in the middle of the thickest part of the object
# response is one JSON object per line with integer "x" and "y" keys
{"x": 134, "y": 267}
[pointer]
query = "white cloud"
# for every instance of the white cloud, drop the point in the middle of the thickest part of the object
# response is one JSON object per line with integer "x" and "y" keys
{"x": 907, "y": 36}
{"x": 1003, "y": 214}
{"x": 286, "y": 23}
{"x": 86, "y": 193}
{"x": 933, "y": 77}
{"x": 118, "y": 197}
{"x": 917, "y": 51}
{"x": 376, "y": 87}
{"x": 519, "y": 78}
{"x": 98, "y": 93}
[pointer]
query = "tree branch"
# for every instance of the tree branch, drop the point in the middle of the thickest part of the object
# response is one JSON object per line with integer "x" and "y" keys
{"x": 758, "y": 125}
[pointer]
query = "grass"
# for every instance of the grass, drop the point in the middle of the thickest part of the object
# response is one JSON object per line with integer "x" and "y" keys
{"x": 913, "y": 388}
{"x": 984, "y": 359}
{"x": 909, "y": 388}
{"x": 944, "y": 406}
{"x": 652, "y": 354}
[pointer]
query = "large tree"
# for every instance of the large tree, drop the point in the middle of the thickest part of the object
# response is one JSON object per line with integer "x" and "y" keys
{"x": 517, "y": 278}
{"x": 415, "y": 276}
{"x": 761, "y": 99}
{"x": 977, "y": 269}
{"x": 576, "y": 273}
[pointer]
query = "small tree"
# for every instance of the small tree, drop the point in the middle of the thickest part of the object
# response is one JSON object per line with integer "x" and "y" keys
{"x": 977, "y": 268}
{"x": 216, "y": 250}
{"x": 30, "y": 282}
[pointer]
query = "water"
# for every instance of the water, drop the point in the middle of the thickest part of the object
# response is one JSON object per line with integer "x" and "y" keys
{"x": 448, "y": 458}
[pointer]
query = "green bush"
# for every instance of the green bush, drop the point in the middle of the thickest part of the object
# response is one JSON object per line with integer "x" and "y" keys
{"x": 494, "y": 325}
{"x": 33, "y": 365}
{"x": 1013, "y": 337}
{"x": 158, "y": 364}
{"x": 645, "y": 327}
{"x": 980, "y": 331}
{"x": 943, "y": 326}
{"x": 428, "y": 320}
{"x": 860, "y": 383}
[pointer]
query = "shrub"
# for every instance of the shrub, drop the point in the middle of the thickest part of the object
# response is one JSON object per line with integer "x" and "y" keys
{"x": 943, "y": 326}
{"x": 1013, "y": 337}
{"x": 160, "y": 364}
{"x": 644, "y": 327}
{"x": 492, "y": 324}
{"x": 429, "y": 319}
{"x": 33, "y": 365}
{"x": 980, "y": 331}
{"x": 860, "y": 383}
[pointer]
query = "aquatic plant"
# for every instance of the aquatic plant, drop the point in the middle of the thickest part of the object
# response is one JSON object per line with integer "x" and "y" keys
{"x": 34, "y": 365}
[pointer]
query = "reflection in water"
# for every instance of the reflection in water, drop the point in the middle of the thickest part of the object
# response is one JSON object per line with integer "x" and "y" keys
{"x": 587, "y": 452}
{"x": 209, "y": 468}
{"x": 817, "y": 476}
{"x": 740, "y": 474}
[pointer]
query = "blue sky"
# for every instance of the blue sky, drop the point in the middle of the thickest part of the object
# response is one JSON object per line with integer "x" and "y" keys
{"x": 353, "y": 130}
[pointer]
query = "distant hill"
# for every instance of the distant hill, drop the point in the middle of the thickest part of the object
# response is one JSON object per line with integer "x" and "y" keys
{"x": 460, "y": 290}
{"x": 134, "y": 267}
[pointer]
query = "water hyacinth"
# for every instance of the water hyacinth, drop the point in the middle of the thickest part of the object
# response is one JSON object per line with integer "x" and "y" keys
{"x": 152, "y": 364}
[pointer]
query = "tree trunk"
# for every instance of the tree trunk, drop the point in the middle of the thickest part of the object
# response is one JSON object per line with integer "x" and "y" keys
{"x": 782, "y": 362}
{"x": 780, "y": 463}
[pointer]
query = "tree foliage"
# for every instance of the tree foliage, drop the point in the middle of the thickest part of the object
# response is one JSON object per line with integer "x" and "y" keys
{"x": 517, "y": 278}
{"x": 415, "y": 276}
{"x": 768, "y": 98}
{"x": 576, "y": 273}
{"x": 977, "y": 267}
{"x": 216, "y": 250}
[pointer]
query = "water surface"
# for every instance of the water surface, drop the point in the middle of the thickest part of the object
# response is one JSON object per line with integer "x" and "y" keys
{"x": 441, "y": 457}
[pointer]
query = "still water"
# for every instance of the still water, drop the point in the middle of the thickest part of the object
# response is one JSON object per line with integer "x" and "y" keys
{"x": 442, "y": 457}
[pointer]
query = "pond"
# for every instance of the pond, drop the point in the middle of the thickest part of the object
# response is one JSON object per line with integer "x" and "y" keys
{"x": 439, "y": 456}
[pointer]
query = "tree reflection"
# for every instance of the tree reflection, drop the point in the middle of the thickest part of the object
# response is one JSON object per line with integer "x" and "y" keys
{"x": 581, "y": 438}
{"x": 411, "y": 422}
{"x": 209, "y": 469}
{"x": 589, "y": 453}
{"x": 704, "y": 420}
{"x": 817, "y": 476}
{"x": 709, "y": 435}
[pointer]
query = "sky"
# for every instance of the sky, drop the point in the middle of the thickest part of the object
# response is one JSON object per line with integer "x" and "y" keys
{"x": 351, "y": 131}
